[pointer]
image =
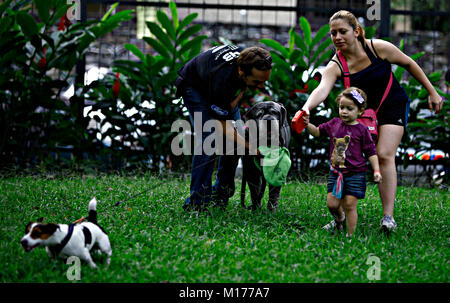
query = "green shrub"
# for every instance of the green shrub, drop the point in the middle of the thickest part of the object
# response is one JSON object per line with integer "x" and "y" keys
{"x": 147, "y": 86}
{"x": 36, "y": 64}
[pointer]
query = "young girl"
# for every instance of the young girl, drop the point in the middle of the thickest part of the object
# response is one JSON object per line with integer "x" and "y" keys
{"x": 349, "y": 140}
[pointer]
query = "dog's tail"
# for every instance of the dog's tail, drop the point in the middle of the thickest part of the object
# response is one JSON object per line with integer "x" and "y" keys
{"x": 93, "y": 211}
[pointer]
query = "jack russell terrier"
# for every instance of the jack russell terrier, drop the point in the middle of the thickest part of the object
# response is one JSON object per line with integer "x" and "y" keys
{"x": 62, "y": 240}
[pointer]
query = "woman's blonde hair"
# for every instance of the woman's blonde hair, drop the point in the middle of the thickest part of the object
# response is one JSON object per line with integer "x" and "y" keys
{"x": 350, "y": 93}
{"x": 352, "y": 21}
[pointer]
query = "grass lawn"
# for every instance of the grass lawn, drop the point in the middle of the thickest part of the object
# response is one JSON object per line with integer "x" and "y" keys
{"x": 154, "y": 240}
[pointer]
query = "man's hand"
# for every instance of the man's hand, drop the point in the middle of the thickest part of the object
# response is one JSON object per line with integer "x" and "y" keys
{"x": 238, "y": 98}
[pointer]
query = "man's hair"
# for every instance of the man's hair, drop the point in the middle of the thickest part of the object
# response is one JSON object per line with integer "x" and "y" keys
{"x": 254, "y": 57}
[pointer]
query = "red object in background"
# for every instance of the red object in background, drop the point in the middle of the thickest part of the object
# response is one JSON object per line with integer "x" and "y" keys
{"x": 64, "y": 23}
{"x": 43, "y": 62}
{"x": 298, "y": 124}
{"x": 116, "y": 86}
{"x": 297, "y": 90}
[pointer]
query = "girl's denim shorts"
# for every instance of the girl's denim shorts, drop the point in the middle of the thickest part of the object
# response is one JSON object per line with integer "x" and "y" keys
{"x": 354, "y": 184}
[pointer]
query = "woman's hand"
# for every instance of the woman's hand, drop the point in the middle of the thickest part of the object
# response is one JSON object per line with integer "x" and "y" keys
{"x": 437, "y": 101}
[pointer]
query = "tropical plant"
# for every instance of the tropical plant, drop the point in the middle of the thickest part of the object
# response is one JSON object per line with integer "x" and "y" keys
{"x": 152, "y": 98}
{"x": 36, "y": 62}
{"x": 425, "y": 130}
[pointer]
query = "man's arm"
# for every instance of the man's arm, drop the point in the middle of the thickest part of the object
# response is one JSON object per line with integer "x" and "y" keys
{"x": 231, "y": 134}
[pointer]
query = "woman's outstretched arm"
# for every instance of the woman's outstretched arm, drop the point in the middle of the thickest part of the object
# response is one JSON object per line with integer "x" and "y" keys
{"x": 390, "y": 52}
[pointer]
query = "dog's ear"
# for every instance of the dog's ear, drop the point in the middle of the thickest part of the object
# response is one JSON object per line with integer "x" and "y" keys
{"x": 283, "y": 115}
{"x": 251, "y": 114}
{"x": 49, "y": 228}
{"x": 28, "y": 227}
{"x": 285, "y": 129}
{"x": 347, "y": 139}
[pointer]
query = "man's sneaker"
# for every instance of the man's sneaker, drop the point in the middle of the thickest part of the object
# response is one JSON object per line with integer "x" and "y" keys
{"x": 388, "y": 224}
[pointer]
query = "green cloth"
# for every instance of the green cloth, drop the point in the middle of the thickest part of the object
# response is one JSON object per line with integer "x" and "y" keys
{"x": 275, "y": 164}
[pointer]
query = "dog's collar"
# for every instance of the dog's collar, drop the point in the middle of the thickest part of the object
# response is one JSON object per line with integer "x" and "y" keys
{"x": 55, "y": 250}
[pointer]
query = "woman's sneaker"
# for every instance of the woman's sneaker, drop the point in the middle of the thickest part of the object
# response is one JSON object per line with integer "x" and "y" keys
{"x": 336, "y": 225}
{"x": 339, "y": 226}
{"x": 388, "y": 224}
{"x": 330, "y": 226}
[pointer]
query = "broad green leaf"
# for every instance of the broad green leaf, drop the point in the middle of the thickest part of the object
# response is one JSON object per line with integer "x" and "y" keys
{"x": 296, "y": 57}
{"x": 174, "y": 12}
{"x": 399, "y": 73}
{"x": 402, "y": 44}
{"x": 312, "y": 84}
{"x": 306, "y": 28}
{"x": 276, "y": 46}
{"x": 112, "y": 22}
{"x": 291, "y": 40}
{"x": 136, "y": 51}
{"x": 132, "y": 65}
{"x": 5, "y": 25}
{"x": 189, "y": 32}
{"x": 166, "y": 24}
{"x": 186, "y": 21}
{"x": 156, "y": 46}
{"x": 280, "y": 62}
{"x": 417, "y": 56}
{"x": 422, "y": 93}
{"x": 434, "y": 77}
{"x": 325, "y": 56}
{"x": 157, "y": 67}
{"x": 165, "y": 80}
{"x": 369, "y": 32}
{"x": 322, "y": 47}
{"x": 192, "y": 43}
{"x": 300, "y": 43}
{"x": 4, "y": 6}
{"x": 58, "y": 13}
{"x": 27, "y": 24}
{"x": 160, "y": 35}
{"x": 43, "y": 8}
{"x": 321, "y": 34}
{"x": 112, "y": 8}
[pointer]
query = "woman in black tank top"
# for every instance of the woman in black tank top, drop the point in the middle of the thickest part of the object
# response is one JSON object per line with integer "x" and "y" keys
{"x": 369, "y": 64}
